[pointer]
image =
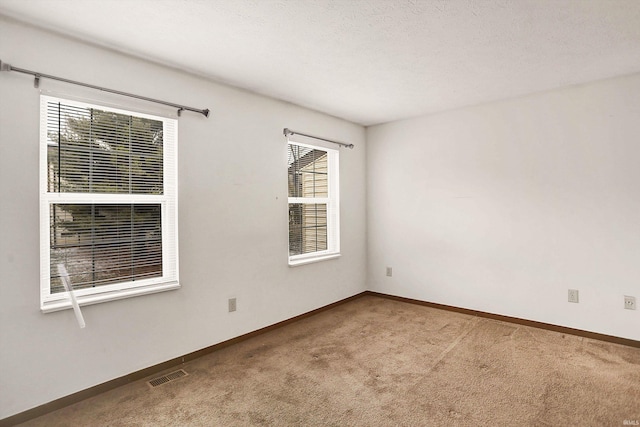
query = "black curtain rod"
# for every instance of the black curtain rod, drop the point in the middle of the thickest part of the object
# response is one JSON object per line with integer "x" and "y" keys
{"x": 8, "y": 67}
{"x": 288, "y": 132}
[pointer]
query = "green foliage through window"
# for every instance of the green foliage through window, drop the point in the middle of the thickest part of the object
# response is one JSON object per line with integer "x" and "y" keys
{"x": 96, "y": 151}
{"x": 102, "y": 152}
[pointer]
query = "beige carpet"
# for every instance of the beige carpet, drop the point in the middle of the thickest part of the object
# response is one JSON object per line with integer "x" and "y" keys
{"x": 378, "y": 362}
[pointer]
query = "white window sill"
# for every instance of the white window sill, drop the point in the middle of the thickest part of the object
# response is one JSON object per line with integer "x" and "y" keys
{"x": 63, "y": 302}
{"x": 303, "y": 261}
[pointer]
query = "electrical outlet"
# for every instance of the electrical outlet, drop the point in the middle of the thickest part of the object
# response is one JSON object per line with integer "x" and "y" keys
{"x": 232, "y": 304}
{"x": 389, "y": 271}
{"x": 573, "y": 295}
{"x": 629, "y": 302}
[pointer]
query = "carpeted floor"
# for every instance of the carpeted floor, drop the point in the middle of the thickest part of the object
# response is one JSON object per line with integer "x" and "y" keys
{"x": 379, "y": 362}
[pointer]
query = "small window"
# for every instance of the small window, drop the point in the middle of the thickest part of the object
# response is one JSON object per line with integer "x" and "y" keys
{"x": 108, "y": 203}
{"x": 313, "y": 203}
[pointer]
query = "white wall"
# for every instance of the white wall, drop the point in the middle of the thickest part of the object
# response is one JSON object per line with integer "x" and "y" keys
{"x": 232, "y": 224}
{"x": 503, "y": 207}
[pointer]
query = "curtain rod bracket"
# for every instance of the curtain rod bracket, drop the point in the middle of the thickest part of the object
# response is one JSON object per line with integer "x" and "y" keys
{"x": 36, "y": 83}
{"x": 287, "y": 132}
{"x": 4, "y": 66}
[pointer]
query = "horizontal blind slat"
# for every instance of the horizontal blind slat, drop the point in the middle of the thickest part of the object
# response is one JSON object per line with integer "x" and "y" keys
{"x": 108, "y": 243}
{"x": 97, "y": 151}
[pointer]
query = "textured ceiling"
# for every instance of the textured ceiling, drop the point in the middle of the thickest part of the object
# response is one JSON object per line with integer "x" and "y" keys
{"x": 368, "y": 61}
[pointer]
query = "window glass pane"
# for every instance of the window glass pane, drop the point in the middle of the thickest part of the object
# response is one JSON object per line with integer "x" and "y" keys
{"x": 96, "y": 151}
{"x": 101, "y": 244}
{"x": 307, "y": 172}
{"x": 307, "y": 228}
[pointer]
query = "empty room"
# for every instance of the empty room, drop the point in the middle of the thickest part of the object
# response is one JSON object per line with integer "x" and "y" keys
{"x": 319, "y": 212}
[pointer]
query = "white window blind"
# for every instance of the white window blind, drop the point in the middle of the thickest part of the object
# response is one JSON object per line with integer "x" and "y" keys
{"x": 108, "y": 203}
{"x": 313, "y": 203}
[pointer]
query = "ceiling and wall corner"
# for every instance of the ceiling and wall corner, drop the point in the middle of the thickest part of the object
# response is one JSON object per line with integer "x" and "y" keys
{"x": 367, "y": 61}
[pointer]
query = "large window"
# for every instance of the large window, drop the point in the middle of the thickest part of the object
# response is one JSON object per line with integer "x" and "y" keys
{"x": 313, "y": 203}
{"x": 108, "y": 203}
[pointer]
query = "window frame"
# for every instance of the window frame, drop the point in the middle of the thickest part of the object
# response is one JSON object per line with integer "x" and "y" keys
{"x": 332, "y": 202}
{"x": 168, "y": 201}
